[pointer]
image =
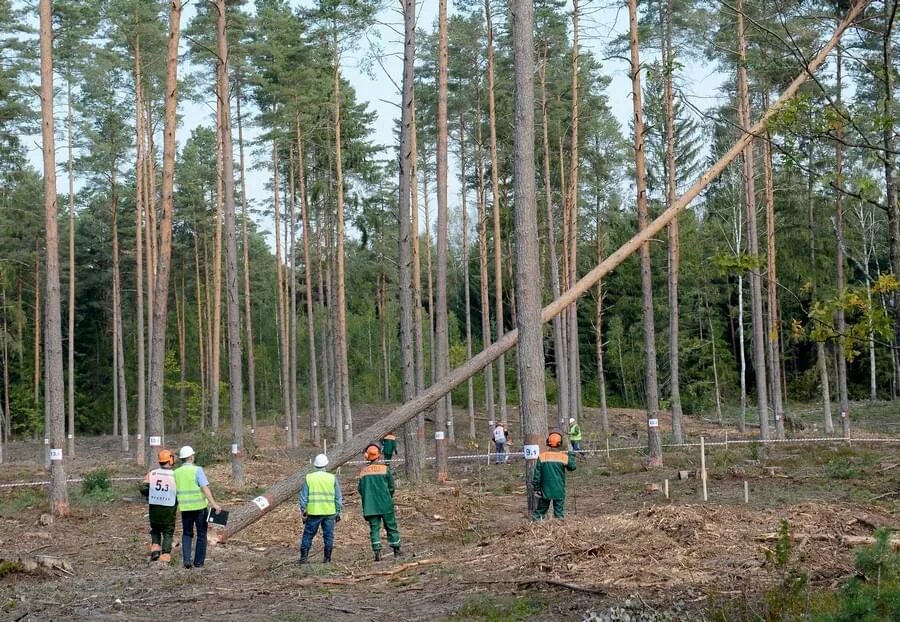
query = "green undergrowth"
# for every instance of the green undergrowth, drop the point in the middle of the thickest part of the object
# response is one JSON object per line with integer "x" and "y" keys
{"x": 499, "y": 608}
{"x": 14, "y": 501}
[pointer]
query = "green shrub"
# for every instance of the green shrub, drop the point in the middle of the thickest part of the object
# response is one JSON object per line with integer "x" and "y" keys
{"x": 96, "y": 482}
{"x": 788, "y": 599}
{"x": 842, "y": 468}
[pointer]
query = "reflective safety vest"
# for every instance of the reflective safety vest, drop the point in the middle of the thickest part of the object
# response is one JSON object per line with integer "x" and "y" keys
{"x": 320, "y": 486}
{"x": 190, "y": 496}
{"x": 162, "y": 487}
{"x": 499, "y": 435}
{"x": 575, "y": 432}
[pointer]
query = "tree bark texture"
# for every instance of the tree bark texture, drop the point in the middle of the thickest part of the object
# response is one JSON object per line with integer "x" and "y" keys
{"x": 840, "y": 320}
{"x": 774, "y": 329}
{"x": 139, "y": 207}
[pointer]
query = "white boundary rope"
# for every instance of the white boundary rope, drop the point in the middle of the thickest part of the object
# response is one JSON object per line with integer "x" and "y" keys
{"x": 519, "y": 454}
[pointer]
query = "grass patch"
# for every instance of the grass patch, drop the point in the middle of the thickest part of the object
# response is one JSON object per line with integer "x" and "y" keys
{"x": 14, "y": 502}
{"x": 499, "y": 608}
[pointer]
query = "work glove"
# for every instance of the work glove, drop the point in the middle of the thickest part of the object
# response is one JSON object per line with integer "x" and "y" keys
{"x": 337, "y": 518}
{"x": 304, "y": 516}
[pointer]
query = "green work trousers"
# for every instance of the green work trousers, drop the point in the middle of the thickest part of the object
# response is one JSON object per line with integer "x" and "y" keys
{"x": 390, "y": 525}
{"x": 162, "y": 526}
{"x": 559, "y": 509}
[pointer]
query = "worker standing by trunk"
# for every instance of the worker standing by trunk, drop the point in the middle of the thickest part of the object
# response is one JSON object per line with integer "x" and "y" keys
{"x": 320, "y": 504}
{"x": 159, "y": 488}
{"x": 549, "y": 481}
{"x": 194, "y": 499}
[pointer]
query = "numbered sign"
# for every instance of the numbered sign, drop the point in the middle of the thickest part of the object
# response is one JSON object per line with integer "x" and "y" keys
{"x": 234, "y": 449}
{"x": 438, "y": 436}
{"x": 261, "y": 502}
{"x": 162, "y": 488}
{"x": 532, "y": 452}
{"x": 653, "y": 423}
{"x": 155, "y": 441}
{"x": 56, "y": 454}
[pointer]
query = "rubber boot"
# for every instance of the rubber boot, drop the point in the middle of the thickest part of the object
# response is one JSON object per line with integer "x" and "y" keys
{"x": 378, "y": 555}
{"x": 327, "y": 558}
{"x": 397, "y": 551}
{"x": 304, "y": 556}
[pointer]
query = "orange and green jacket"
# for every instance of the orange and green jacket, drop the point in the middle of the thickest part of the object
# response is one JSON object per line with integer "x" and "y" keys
{"x": 550, "y": 473}
{"x": 376, "y": 489}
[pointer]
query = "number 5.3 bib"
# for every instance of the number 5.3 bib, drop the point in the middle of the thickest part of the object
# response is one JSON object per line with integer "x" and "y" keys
{"x": 162, "y": 488}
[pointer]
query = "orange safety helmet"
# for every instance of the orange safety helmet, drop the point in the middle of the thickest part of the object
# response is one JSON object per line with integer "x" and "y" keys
{"x": 372, "y": 453}
{"x": 166, "y": 457}
{"x": 554, "y": 440}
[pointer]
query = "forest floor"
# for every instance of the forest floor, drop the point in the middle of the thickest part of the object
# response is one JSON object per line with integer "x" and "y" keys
{"x": 470, "y": 552}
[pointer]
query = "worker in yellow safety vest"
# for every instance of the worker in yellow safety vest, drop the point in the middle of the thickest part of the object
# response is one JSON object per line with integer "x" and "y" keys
{"x": 194, "y": 500}
{"x": 320, "y": 505}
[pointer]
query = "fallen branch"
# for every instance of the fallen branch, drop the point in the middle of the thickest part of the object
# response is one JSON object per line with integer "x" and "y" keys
{"x": 365, "y": 576}
{"x": 287, "y": 488}
{"x": 824, "y": 537}
{"x": 550, "y": 582}
{"x": 45, "y": 563}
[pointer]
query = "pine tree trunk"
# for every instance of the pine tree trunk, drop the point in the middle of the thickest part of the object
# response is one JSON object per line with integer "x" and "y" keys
{"x": 314, "y": 434}
{"x": 774, "y": 329}
{"x": 38, "y": 343}
{"x": 674, "y": 250}
{"x": 215, "y": 356}
{"x": 161, "y": 293}
{"x": 140, "y": 452}
{"x": 70, "y": 333}
{"x": 470, "y": 388}
{"x": 181, "y": 317}
{"x": 756, "y": 314}
{"x": 150, "y": 233}
{"x": 248, "y": 311}
{"x": 118, "y": 339}
{"x": 840, "y": 321}
{"x": 532, "y": 395}
{"x": 281, "y": 311}
{"x": 559, "y": 344}
{"x": 712, "y": 339}
{"x": 495, "y": 209}
{"x": 232, "y": 290}
{"x": 442, "y": 418}
{"x": 341, "y": 341}
{"x": 574, "y": 366}
{"x": 201, "y": 347}
{"x": 292, "y": 306}
{"x": 888, "y": 134}
{"x": 53, "y": 371}
{"x": 406, "y": 239}
{"x": 483, "y": 280}
{"x": 654, "y": 443}
{"x": 598, "y": 331}
{"x": 288, "y": 487}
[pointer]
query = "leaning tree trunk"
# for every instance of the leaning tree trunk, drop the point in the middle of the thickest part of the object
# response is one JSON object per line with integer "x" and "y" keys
{"x": 288, "y": 487}
{"x": 53, "y": 370}
{"x": 654, "y": 443}
{"x": 756, "y": 314}
{"x": 232, "y": 290}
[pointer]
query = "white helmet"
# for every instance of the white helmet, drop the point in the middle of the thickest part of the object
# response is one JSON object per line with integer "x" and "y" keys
{"x": 185, "y": 452}
{"x": 320, "y": 461}
{"x": 571, "y": 420}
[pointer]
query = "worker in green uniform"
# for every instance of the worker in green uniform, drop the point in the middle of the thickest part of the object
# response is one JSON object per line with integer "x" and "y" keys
{"x": 194, "y": 499}
{"x": 549, "y": 481}
{"x": 575, "y": 436}
{"x": 376, "y": 490}
{"x": 320, "y": 504}
{"x": 389, "y": 446}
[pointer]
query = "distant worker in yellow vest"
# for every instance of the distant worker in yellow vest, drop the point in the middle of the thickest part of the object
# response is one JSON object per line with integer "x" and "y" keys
{"x": 194, "y": 500}
{"x": 389, "y": 446}
{"x": 549, "y": 481}
{"x": 575, "y": 436}
{"x": 320, "y": 504}
{"x": 159, "y": 488}
{"x": 376, "y": 491}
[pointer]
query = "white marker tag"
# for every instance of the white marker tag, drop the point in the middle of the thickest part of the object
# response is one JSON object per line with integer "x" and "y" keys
{"x": 261, "y": 502}
{"x": 438, "y": 436}
{"x": 46, "y": 441}
{"x": 70, "y": 437}
{"x": 155, "y": 441}
{"x": 234, "y": 449}
{"x": 777, "y": 417}
{"x": 532, "y": 452}
{"x": 449, "y": 423}
{"x": 252, "y": 431}
{"x": 844, "y": 414}
{"x": 346, "y": 426}
{"x": 653, "y": 423}
{"x": 490, "y": 423}
{"x": 315, "y": 424}
{"x": 286, "y": 428}
{"x": 56, "y": 454}
{"x": 140, "y": 436}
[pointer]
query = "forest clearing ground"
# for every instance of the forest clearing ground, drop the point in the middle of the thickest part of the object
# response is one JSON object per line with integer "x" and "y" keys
{"x": 470, "y": 551}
